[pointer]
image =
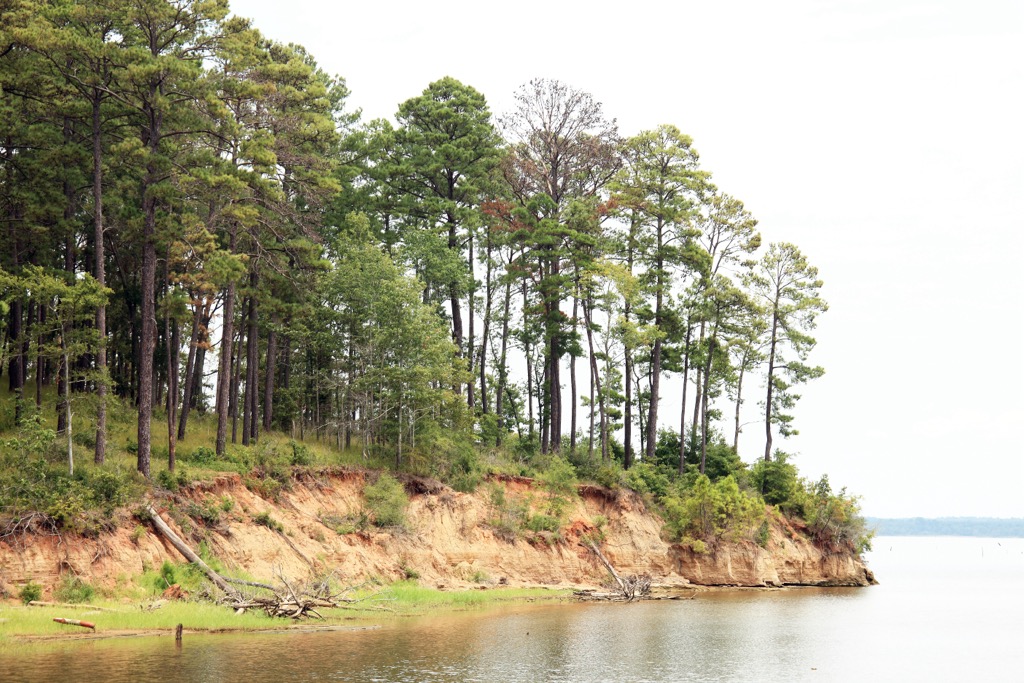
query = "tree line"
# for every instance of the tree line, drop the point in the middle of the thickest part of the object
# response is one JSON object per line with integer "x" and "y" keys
{"x": 184, "y": 198}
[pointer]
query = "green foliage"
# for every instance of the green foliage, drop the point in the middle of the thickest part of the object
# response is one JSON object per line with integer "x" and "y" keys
{"x": 542, "y": 522}
{"x": 202, "y": 456}
{"x": 646, "y": 478}
{"x": 264, "y": 519}
{"x": 711, "y": 513}
{"x": 834, "y": 519}
{"x": 207, "y": 513}
{"x": 386, "y": 501}
{"x": 776, "y": 480}
{"x": 73, "y": 590}
{"x": 168, "y": 573}
{"x": 300, "y": 454}
{"x": 509, "y": 514}
{"x": 559, "y": 482}
{"x": 29, "y": 592}
{"x": 346, "y": 524}
{"x": 172, "y": 481}
{"x": 35, "y": 479}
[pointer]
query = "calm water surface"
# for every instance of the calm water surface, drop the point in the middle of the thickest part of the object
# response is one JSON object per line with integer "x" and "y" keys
{"x": 948, "y": 609}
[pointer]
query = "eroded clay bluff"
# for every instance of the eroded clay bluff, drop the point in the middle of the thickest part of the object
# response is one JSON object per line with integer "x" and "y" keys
{"x": 448, "y": 542}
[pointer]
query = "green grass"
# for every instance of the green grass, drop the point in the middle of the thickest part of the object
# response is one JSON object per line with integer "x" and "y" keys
{"x": 38, "y": 621}
{"x": 402, "y": 599}
{"x": 407, "y": 597}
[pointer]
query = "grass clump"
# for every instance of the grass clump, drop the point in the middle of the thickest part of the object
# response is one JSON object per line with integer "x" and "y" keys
{"x": 386, "y": 501}
{"x": 264, "y": 519}
{"x": 73, "y": 590}
{"x": 29, "y": 592}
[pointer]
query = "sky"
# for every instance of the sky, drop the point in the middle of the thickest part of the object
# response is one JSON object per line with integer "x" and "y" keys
{"x": 884, "y": 138}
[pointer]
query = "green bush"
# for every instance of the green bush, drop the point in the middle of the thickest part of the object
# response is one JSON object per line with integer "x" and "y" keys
{"x": 72, "y": 589}
{"x": 30, "y": 591}
{"x": 346, "y": 524}
{"x": 541, "y": 522}
{"x": 711, "y": 513}
{"x": 647, "y": 478}
{"x": 168, "y": 573}
{"x": 300, "y": 454}
{"x": 386, "y": 501}
{"x": 776, "y": 480}
{"x": 264, "y": 519}
{"x": 559, "y": 482}
{"x": 204, "y": 455}
{"x": 508, "y": 514}
{"x": 834, "y": 519}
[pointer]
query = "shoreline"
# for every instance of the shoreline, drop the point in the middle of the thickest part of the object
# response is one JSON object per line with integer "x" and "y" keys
{"x": 41, "y": 630}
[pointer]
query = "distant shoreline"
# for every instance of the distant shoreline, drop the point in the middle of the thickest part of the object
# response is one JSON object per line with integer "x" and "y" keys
{"x": 992, "y": 527}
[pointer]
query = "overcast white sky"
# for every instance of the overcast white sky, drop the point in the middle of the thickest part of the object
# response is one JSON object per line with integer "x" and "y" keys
{"x": 883, "y": 137}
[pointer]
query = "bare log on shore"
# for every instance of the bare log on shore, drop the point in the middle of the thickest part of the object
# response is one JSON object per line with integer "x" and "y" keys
{"x": 630, "y": 587}
{"x": 290, "y": 599}
{"x": 161, "y": 526}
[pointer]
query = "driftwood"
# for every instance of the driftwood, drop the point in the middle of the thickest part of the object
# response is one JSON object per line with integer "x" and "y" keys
{"x": 289, "y": 599}
{"x": 629, "y": 587}
{"x": 41, "y": 603}
{"x": 161, "y": 526}
{"x": 75, "y": 622}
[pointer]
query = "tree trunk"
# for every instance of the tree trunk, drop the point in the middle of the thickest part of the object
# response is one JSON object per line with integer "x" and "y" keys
{"x": 682, "y": 409}
{"x": 739, "y": 402}
{"x": 453, "y": 291}
{"x": 236, "y": 373}
{"x": 147, "y": 343}
{"x": 190, "y": 362}
{"x": 470, "y": 351}
{"x": 595, "y": 376}
{"x": 572, "y": 377}
{"x": 652, "y": 415}
{"x": 224, "y": 364}
{"x": 171, "y": 338}
{"x": 486, "y": 332}
{"x": 703, "y": 400}
{"x": 499, "y": 403}
{"x": 268, "y": 391}
{"x": 99, "y": 261}
{"x": 771, "y": 376}
{"x": 253, "y": 364}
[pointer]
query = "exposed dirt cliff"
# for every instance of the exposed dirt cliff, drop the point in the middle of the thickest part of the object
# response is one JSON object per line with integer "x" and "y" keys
{"x": 448, "y": 541}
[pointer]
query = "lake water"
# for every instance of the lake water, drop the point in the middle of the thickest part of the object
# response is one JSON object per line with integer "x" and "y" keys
{"x": 947, "y": 609}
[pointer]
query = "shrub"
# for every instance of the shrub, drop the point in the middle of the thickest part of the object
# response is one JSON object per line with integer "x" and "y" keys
{"x": 72, "y": 589}
{"x": 559, "y": 481}
{"x": 609, "y": 476}
{"x": 538, "y": 523}
{"x": 204, "y": 455}
{"x": 646, "y": 478}
{"x": 168, "y": 575}
{"x": 30, "y": 591}
{"x": 300, "y": 454}
{"x": 264, "y": 519}
{"x": 713, "y": 512}
{"x": 347, "y": 524}
{"x": 508, "y": 515}
{"x": 386, "y": 501}
{"x": 834, "y": 519}
{"x": 208, "y": 513}
{"x": 776, "y": 480}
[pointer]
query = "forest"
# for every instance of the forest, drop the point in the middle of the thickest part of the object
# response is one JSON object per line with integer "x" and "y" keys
{"x": 198, "y": 228}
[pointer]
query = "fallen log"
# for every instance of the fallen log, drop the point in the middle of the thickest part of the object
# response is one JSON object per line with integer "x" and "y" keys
{"x": 161, "y": 526}
{"x": 75, "y": 622}
{"x": 630, "y": 587}
{"x": 42, "y": 603}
